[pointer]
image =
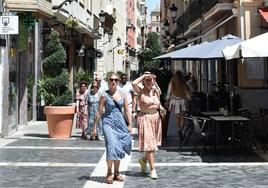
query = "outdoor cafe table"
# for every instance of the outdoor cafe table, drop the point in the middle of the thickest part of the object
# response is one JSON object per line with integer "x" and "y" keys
{"x": 227, "y": 120}
{"x": 212, "y": 113}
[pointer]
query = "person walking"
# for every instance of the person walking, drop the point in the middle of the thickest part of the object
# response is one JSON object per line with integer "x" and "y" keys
{"x": 148, "y": 120}
{"x": 116, "y": 132}
{"x": 81, "y": 108}
{"x": 178, "y": 93}
{"x": 93, "y": 98}
{"x": 126, "y": 87}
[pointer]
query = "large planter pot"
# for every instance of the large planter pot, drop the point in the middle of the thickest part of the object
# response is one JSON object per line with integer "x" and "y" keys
{"x": 59, "y": 120}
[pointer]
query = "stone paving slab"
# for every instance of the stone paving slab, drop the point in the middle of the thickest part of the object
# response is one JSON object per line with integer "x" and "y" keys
{"x": 217, "y": 176}
{"x": 41, "y": 155}
{"x": 57, "y": 143}
{"x": 164, "y": 156}
{"x": 44, "y": 177}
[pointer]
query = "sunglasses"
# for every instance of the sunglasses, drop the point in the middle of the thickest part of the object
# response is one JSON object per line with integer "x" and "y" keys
{"x": 148, "y": 80}
{"x": 113, "y": 79}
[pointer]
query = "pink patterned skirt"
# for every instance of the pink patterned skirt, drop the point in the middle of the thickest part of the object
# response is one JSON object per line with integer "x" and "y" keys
{"x": 150, "y": 131}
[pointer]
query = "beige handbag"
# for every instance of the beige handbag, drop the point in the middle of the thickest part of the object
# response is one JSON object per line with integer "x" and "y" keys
{"x": 162, "y": 112}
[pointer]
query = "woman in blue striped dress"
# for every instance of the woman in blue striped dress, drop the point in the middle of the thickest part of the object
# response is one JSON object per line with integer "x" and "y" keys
{"x": 116, "y": 132}
{"x": 93, "y": 98}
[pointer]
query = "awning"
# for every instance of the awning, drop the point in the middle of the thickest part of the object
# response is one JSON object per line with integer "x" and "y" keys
{"x": 205, "y": 34}
{"x": 264, "y": 13}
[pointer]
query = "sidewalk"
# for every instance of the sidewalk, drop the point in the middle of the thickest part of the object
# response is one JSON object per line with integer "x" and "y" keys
{"x": 30, "y": 159}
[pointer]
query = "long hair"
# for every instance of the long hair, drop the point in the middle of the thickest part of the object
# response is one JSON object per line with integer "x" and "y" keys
{"x": 178, "y": 86}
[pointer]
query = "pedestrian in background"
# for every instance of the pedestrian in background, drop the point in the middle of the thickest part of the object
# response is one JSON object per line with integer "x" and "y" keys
{"x": 126, "y": 87}
{"x": 81, "y": 108}
{"x": 93, "y": 98}
{"x": 148, "y": 120}
{"x": 101, "y": 83}
{"x": 115, "y": 129}
{"x": 192, "y": 84}
{"x": 177, "y": 94}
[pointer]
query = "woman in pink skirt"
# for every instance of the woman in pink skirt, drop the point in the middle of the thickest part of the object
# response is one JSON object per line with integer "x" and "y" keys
{"x": 148, "y": 120}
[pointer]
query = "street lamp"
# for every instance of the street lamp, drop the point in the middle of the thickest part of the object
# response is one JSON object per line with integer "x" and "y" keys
{"x": 56, "y": 7}
{"x": 102, "y": 17}
{"x": 166, "y": 25}
{"x": 81, "y": 52}
{"x": 118, "y": 40}
{"x": 173, "y": 10}
{"x": 110, "y": 36}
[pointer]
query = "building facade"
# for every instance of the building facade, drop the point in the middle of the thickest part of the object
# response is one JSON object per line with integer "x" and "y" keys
{"x": 21, "y": 57}
{"x": 155, "y": 25}
{"x": 199, "y": 21}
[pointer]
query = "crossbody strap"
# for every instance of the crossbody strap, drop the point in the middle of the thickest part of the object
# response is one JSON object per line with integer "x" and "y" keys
{"x": 117, "y": 105}
{"x": 115, "y": 102}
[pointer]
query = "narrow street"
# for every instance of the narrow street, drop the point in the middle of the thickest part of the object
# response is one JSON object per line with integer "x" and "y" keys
{"x": 29, "y": 158}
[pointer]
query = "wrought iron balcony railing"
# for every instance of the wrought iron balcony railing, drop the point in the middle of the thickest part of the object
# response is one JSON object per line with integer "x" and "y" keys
{"x": 196, "y": 9}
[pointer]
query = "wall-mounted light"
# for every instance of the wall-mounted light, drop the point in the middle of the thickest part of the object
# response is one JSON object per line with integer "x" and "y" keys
{"x": 110, "y": 36}
{"x": 64, "y": 3}
{"x": 118, "y": 40}
{"x": 102, "y": 18}
{"x": 81, "y": 51}
{"x": 166, "y": 25}
{"x": 173, "y": 10}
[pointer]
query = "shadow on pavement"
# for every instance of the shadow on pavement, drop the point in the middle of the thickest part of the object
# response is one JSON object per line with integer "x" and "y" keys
{"x": 37, "y": 135}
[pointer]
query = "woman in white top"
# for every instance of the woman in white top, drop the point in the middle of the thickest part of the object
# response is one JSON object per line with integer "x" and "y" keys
{"x": 178, "y": 93}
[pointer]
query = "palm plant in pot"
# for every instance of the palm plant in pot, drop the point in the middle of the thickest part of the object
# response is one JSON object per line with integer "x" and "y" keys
{"x": 53, "y": 90}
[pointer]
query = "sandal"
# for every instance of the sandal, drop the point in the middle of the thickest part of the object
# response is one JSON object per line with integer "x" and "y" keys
{"x": 118, "y": 177}
{"x": 109, "y": 179}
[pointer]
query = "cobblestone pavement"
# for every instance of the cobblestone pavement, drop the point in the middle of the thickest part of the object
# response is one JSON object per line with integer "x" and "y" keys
{"x": 30, "y": 159}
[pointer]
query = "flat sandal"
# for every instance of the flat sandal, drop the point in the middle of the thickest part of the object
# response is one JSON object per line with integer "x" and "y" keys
{"x": 109, "y": 179}
{"x": 118, "y": 177}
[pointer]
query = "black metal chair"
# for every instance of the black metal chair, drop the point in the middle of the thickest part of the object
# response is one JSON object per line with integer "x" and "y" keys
{"x": 203, "y": 131}
{"x": 196, "y": 126}
{"x": 254, "y": 132}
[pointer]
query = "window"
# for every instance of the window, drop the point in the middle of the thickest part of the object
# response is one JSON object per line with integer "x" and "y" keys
{"x": 157, "y": 18}
{"x": 157, "y": 29}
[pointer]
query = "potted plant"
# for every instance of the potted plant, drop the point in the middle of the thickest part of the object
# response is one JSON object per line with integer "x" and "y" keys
{"x": 53, "y": 90}
{"x": 72, "y": 22}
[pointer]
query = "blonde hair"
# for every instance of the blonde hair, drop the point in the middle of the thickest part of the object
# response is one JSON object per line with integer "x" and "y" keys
{"x": 110, "y": 74}
{"x": 178, "y": 86}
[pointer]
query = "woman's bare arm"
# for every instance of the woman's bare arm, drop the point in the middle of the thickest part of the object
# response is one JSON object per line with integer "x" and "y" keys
{"x": 98, "y": 115}
{"x": 127, "y": 112}
{"x": 135, "y": 83}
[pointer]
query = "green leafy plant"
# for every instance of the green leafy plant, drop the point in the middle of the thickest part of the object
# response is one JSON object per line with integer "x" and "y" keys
{"x": 152, "y": 49}
{"x": 72, "y": 22}
{"x": 53, "y": 84}
{"x": 82, "y": 75}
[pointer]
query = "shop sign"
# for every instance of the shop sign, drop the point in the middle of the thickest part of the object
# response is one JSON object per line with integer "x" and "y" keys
{"x": 9, "y": 25}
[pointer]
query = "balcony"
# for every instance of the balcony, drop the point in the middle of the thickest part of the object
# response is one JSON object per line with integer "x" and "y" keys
{"x": 78, "y": 11}
{"x": 38, "y": 7}
{"x": 209, "y": 11}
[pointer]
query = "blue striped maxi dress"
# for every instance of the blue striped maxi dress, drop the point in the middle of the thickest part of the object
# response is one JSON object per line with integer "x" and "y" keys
{"x": 117, "y": 139}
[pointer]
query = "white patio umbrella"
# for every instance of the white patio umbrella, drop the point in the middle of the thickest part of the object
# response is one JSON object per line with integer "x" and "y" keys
{"x": 164, "y": 56}
{"x": 207, "y": 50}
{"x": 178, "y": 53}
{"x": 254, "y": 47}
